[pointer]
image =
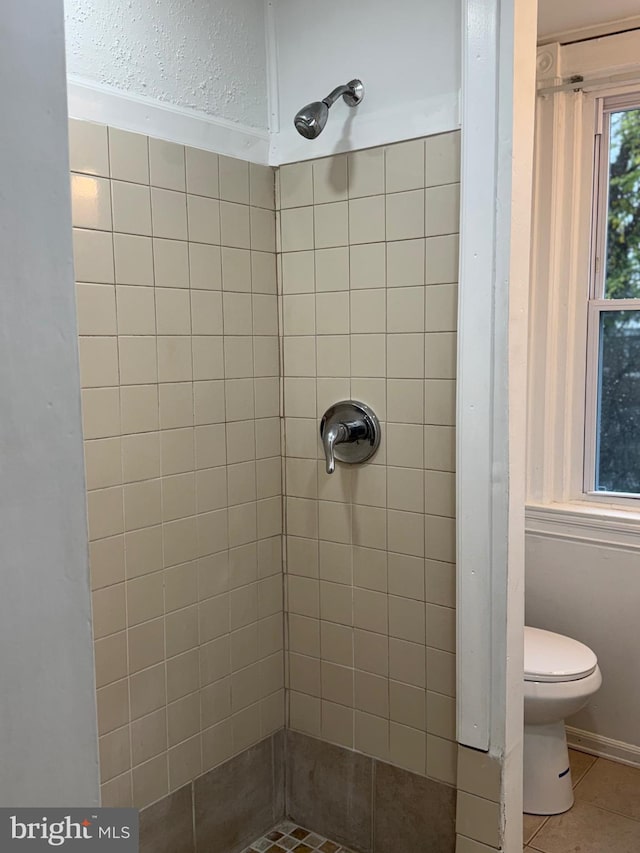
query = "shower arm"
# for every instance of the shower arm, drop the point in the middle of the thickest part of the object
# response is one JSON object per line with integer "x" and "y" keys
{"x": 352, "y": 93}
{"x": 333, "y": 96}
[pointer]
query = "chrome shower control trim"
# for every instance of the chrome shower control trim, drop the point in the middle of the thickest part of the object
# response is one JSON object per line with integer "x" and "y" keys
{"x": 350, "y": 433}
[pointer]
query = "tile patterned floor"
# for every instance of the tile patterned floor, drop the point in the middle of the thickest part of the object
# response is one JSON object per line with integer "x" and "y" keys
{"x": 289, "y": 836}
{"x": 605, "y": 817}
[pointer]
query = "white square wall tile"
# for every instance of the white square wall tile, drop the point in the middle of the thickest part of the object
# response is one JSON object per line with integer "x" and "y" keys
{"x": 366, "y": 172}
{"x": 442, "y": 159}
{"x": 406, "y": 263}
{"x": 166, "y": 165}
{"x": 96, "y": 306}
{"x": 131, "y": 208}
{"x": 296, "y": 185}
{"x": 202, "y": 172}
{"x": 331, "y": 226}
{"x": 330, "y": 179}
{"x": 173, "y": 311}
{"x": 133, "y": 257}
{"x": 299, "y": 314}
{"x": 205, "y": 266}
{"x": 332, "y": 313}
{"x": 137, "y": 360}
{"x": 442, "y": 210}
{"x": 174, "y": 359}
{"x": 263, "y": 273}
{"x": 405, "y": 400}
{"x": 237, "y": 313}
{"x": 405, "y": 356}
{"x": 440, "y": 355}
{"x": 332, "y": 269}
{"x": 203, "y": 216}
{"x": 368, "y": 355}
{"x": 296, "y": 227}
{"x": 367, "y": 219}
{"x": 406, "y": 535}
{"x": 405, "y": 309}
{"x": 442, "y": 259}
{"x": 368, "y": 311}
{"x": 206, "y": 312}
{"x": 404, "y": 166}
{"x": 405, "y": 215}
{"x": 263, "y": 230}
{"x": 129, "y": 156}
{"x": 262, "y": 186}
{"x": 265, "y": 314}
{"x": 440, "y": 493}
{"x": 93, "y": 256}
{"x": 440, "y": 402}
{"x": 90, "y": 202}
{"x": 333, "y": 357}
{"x": 98, "y": 361}
{"x": 169, "y": 214}
{"x": 298, "y": 272}
{"x": 441, "y": 308}
{"x": 234, "y": 179}
{"x": 367, "y": 265}
{"x": 236, "y": 269}
{"x": 299, "y": 356}
{"x": 88, "y": 148}
{"x": 171, "y": 263}
{"x": 136, "y": 310}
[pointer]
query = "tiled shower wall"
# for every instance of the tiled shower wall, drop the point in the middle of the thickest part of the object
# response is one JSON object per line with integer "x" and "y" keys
{"x": 368, "y": 270}
{"x": 181, "y": 367}
{"x": 177, "y": 305}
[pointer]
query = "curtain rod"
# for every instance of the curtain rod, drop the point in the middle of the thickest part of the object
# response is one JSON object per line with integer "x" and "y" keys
{"x": 577, "y": 83}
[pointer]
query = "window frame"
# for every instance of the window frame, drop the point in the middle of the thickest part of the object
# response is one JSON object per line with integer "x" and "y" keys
{"x": 597, "y": 303}
{"x": 567, "y": 120}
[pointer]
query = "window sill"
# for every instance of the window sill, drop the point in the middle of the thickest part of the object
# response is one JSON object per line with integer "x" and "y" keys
{"x": 583, "y": 522}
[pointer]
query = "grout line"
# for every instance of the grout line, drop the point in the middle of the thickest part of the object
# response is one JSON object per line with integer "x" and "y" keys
{"x": 544, "y": 823}
{"x": 585, "y": 773}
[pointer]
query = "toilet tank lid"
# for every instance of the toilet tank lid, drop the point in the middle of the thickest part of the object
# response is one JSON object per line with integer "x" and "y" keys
{"x": 554, "y": 657}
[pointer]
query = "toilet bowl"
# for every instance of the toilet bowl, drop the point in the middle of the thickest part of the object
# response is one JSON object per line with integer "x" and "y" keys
{"x": 560, "y": 676}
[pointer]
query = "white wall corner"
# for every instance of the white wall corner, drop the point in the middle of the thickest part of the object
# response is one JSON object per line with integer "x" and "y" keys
{"x": 273, "y": 105}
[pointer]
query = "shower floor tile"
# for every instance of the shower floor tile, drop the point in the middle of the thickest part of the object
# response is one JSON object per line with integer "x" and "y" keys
{"x": 288, "y": 836}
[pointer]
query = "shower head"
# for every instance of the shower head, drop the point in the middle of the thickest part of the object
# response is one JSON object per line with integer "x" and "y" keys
{"x": 311, "y": 119}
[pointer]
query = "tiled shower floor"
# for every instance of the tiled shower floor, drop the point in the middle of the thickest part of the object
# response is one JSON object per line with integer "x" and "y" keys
{"x": 289, "y": 836}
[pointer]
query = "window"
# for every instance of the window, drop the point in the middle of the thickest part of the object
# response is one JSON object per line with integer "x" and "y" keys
{"x": 612, "y": 429}
{"x": 583, "y": 413}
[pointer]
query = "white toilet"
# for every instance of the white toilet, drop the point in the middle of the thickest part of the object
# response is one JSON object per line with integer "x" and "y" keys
{"x": 560, "y": 676}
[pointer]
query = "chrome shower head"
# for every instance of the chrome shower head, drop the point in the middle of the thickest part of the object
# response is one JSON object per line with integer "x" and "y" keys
{"x": 311, "y": 119}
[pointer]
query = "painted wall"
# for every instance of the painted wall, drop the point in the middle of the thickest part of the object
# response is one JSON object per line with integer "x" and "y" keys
{"x": 407, "y": 55}
{"x": 207, "y": 55}
{"x": 47, "y": 700}
{"x": 591, "y": 592}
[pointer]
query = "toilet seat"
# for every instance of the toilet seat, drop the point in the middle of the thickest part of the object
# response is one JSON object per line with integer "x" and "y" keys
{"x": 552, "y": 657}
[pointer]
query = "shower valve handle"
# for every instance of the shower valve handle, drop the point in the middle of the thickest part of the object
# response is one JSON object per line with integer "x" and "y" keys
{"x": 350, "y": 432}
